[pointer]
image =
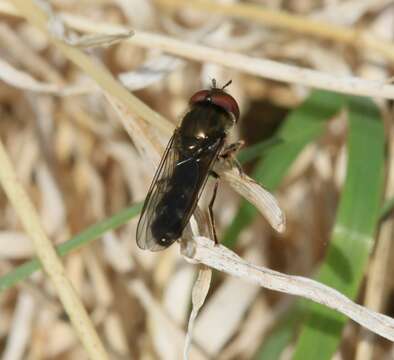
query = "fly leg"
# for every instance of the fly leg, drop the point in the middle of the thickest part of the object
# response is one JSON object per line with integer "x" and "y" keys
{"x": 210, "y": 206}
{"x": 228, "y": 154}
{"x": 233, "y": 148}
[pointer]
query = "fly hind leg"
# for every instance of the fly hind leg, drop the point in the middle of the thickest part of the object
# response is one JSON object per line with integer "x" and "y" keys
{"x": 229, "y": 152}
{"x": 210, "y": 206}
{"x": 231, "y": 149}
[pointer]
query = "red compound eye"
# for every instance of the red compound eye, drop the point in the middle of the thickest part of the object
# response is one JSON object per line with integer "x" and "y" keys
{"x": 219, "y": 98}
{"x": 202, "y": 95}
{"x": 225, "y": 101}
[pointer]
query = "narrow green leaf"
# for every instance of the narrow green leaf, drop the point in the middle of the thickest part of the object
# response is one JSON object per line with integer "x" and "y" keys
{"x": 387, "y": 208}
{"x": 254, "y": 151}
{"x": 91, "y": 233}
{"x": 301, "y": 126}
{"x": 281, "y": 335}
{"x": 354, "y": 229}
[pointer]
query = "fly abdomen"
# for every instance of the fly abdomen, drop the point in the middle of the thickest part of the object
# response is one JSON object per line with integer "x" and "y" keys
{"x": 175, "y": 204}
{"x": 169, "y": 218}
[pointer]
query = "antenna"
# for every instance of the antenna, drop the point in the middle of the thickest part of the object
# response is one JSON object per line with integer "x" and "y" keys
{"x": 227, "y": 84}
{"x": 214, "y": 84}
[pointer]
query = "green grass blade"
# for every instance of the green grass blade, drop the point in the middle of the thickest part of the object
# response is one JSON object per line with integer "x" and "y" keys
{"x": 281, "y": 336}
{"x": 301, "y": 126}
{"x": 387, "y": 209}
{"x": 91, "y": 233}
{"x": 254, "y": 151}
{"x": 273, "y": 347}
{"x": 355, "y": 226}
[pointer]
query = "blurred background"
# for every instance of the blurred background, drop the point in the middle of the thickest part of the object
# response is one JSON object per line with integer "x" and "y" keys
{"x": 324, "y": 155}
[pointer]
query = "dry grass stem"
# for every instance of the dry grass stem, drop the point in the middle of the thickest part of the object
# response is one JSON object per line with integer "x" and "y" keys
{"x": 49, "y": 259}
{"x": 289, "y": 22}
{"x": 199, "y": 294}
{"x": 99, "y": 73}
{"x": 223, "y": 259}
{"x": 99, "y": 40}
{"x": 256, "y": 66}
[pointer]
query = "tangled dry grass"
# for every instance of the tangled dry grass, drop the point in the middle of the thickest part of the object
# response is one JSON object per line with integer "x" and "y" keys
{"x": 90, "y": 92}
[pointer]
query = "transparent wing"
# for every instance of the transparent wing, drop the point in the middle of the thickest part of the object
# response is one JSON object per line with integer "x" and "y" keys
{"x": 160, "y": 182}
{"x": 203, "y": 165}
{"x": 188, "y": 178}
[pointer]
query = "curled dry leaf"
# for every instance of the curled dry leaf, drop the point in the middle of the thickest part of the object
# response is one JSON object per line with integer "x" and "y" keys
{"x": 199, "y": 294}
{"x": 264, "y": 201}
{"x": 59, "y": 30}
{"x": 223, "y": 259}
{"x": 99, "y": 40}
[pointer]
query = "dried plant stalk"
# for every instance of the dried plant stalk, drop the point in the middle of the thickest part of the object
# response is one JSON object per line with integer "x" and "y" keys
{"x": 49, "y": 259}
{"x": 260, "y": 67}
{"x": 256, "y": 66}
{"x": 223, "y": 259}
{"x": 199, "y": 294}
{"x": 290, "y": 22}
{"x": 100, "y": 40}
{"x": 98, "y": 72}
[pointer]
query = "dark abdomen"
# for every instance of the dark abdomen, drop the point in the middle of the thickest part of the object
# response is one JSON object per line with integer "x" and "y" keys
{"x": 177, "y": 202}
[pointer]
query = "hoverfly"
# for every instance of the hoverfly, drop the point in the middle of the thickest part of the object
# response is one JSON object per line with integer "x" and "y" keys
{"x": 185, "y": 166}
